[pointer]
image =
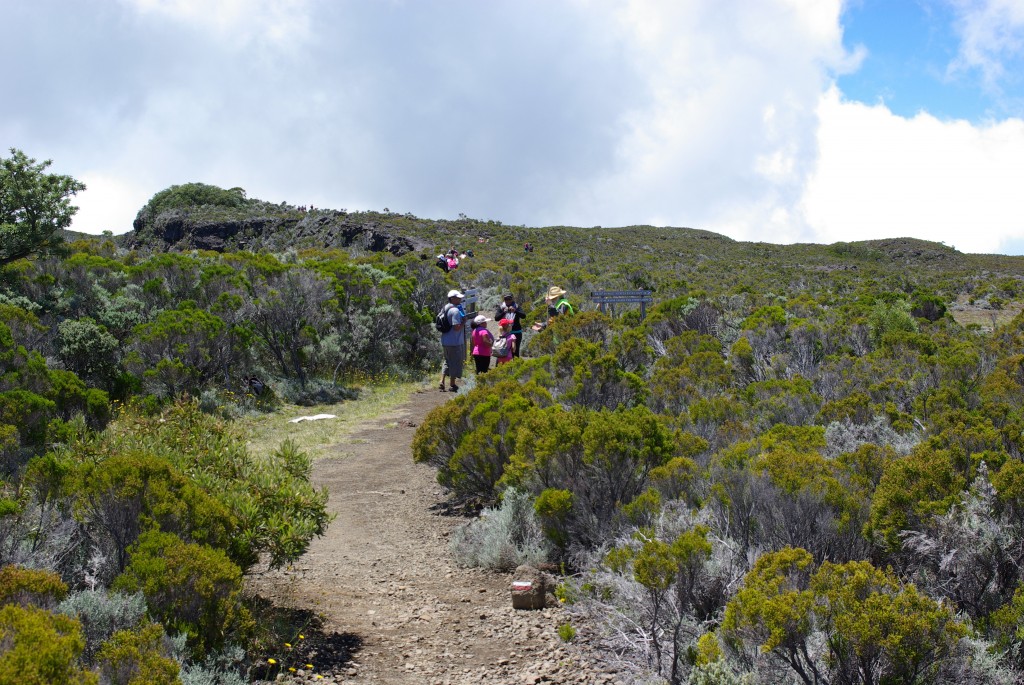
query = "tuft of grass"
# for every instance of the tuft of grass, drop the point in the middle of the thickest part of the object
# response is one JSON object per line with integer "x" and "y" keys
{"x": 566, "y": 632}
{"x": 266, "y": 432}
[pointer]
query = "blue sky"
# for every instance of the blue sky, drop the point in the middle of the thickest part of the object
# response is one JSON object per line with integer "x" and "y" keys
{"x": 912, "y": 63}
{"x": 776, "y": 120}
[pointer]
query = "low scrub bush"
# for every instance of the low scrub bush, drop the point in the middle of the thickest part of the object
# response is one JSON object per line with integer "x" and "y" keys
{"x": 502, "y": 538}
{"x": 101, "y": 614}
{"x": 315, "y": 392}
{"x": 138, "y": 658}
{"x": 118, "y": 496}
{"x": 472, "y": 438}
{"x": 270, "y": 503}
{"x": 29, "y": 587}
{"x": 223, "y": 667}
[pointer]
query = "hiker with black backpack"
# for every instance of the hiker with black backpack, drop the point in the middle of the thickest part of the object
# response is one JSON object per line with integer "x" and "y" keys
{"x": 453, "y": 339}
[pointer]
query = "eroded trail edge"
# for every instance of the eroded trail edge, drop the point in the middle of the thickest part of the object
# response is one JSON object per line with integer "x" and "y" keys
{"x": 384, "y": 575}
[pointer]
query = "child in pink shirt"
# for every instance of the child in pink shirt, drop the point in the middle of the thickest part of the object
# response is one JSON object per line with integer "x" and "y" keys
{"x": 505, "y": 332}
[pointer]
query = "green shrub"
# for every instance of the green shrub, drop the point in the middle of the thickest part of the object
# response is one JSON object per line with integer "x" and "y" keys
{"x": 472, "y": 439}
{"x": 138, "y": 658}
{"x": 30, "y": 587}
{"x": 566, "y": 632}
{"x": 553, "y": 507}
{"x": 29, "y": 412}
{"x": 273, "y": 506}
{"x": 121, "y": 495}
{"x": 40, "y": 648}
{"x": 189, "y": 195}
{"x": 190, "y": 588}
{"x": 87, "y": 349}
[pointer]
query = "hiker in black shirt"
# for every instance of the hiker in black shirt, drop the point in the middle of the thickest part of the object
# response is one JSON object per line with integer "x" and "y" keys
{"x": 508, "y": 309}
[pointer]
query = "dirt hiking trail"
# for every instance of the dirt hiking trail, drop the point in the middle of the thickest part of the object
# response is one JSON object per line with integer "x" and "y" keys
{"x": 387, "y": 587}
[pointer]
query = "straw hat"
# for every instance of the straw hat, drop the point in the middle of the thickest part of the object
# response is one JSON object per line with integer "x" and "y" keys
{"x": 554, "y": 291}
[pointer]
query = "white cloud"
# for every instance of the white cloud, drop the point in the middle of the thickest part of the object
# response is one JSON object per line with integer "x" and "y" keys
{"x": 277, "y": 22}
{"x": 105, "y": 204}
{"x": 715, "y": 114}
{"x": 726, "y": 140}
{"x": 880, "y": 175}
{"x": 991, "y": 32}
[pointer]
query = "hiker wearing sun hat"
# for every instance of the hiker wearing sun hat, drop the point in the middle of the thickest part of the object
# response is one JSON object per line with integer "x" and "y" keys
{"x": 557, "y": 306}
{"x": 453, "y": 340}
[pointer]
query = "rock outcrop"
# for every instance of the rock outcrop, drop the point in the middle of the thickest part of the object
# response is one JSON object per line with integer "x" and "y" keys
{"x": 265, "y": 230}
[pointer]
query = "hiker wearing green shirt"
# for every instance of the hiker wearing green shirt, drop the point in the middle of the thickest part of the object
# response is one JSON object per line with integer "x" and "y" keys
{"x": 557, "y": 306}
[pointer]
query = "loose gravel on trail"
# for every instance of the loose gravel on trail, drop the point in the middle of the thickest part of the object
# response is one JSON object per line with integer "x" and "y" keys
{"x": 396, "y": 606}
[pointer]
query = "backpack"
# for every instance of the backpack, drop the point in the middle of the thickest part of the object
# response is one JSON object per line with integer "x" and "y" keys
{"x": 500, "y": 348}
{"x": 442, "y": 322}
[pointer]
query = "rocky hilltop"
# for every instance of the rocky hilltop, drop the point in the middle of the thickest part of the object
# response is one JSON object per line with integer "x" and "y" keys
{"x": 198, "y": 229}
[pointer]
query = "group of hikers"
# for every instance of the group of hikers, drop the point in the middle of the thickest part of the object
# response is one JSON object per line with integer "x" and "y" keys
{"x": 449, "y": 261}
{"x": 451, "y": 322}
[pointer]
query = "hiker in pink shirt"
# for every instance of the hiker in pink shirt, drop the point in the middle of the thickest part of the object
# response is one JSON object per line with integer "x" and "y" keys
{"x": 482, "y": 340}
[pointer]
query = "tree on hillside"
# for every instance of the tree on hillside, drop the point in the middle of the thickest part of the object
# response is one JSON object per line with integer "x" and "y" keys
{"x": 34, "y": 207}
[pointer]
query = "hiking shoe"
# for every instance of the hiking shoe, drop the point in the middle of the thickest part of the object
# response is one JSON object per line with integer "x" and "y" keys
{"x": 454, "y": 388}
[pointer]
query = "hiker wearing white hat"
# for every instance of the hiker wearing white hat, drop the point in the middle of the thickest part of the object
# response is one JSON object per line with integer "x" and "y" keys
{"x": 453, "y": 339}
{"x": 481, "y": 340}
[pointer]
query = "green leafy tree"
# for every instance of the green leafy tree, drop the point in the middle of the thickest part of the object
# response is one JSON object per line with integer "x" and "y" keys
{"x": 35, "y": 207}
{"x": 89, "y": 350}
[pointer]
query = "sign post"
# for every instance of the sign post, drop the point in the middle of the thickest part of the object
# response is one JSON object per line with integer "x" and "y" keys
{"x": 609, "y": 298}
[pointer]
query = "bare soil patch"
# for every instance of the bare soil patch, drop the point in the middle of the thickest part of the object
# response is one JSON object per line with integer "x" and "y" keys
{"x": 384, "y": 584}
{"x": 986, "y": 318}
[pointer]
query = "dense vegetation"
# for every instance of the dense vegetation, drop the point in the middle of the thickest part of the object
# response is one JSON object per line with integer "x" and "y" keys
{"x": 804, "y": 464}
{"x": 752, "y": 487}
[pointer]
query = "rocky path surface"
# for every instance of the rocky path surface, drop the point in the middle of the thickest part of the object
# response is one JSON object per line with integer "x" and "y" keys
{"x": 383, "y": 577}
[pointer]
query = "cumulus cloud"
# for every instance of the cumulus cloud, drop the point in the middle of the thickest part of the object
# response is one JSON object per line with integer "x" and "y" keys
{"x": 713, "y": 114}
{"x": 726, "y": 140}
{"x": 881, "y": 175}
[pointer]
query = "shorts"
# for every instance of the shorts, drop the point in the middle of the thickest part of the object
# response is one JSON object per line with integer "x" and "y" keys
{"x": 454, "y": 358}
